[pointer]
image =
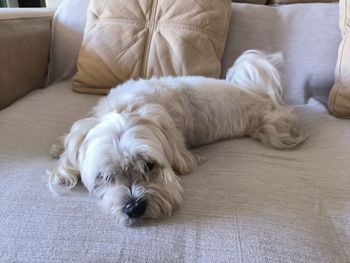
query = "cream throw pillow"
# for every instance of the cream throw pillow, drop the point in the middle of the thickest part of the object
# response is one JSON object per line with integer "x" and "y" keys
{"x": 126, "y": 39}
{"x": 339, "y": 98}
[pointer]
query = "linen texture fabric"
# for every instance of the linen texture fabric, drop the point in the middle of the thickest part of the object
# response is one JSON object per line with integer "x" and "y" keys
{"x": 247, "y": 203}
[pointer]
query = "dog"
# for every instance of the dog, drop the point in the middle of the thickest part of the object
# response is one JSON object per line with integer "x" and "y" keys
{"x": 134, "y": 145}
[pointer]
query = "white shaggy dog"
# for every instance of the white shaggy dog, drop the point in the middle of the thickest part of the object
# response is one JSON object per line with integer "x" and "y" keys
{"x": 132, "y": 148}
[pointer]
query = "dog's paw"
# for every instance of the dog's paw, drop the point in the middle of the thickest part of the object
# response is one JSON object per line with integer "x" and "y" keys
{"x": 56, "y": 151}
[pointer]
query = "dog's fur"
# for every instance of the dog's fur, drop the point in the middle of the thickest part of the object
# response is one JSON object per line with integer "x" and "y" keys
{"x": 135, "y": 143}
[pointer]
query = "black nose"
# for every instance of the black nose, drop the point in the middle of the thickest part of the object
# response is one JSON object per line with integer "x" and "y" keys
{"x": 135, "y": 208}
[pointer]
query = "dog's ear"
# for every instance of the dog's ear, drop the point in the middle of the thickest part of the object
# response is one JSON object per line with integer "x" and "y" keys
{"x": 181, "y": 160}
{"x": 76, "y": 136}
{"x": 67, "y": 173}
{"x": 184, "y": 161}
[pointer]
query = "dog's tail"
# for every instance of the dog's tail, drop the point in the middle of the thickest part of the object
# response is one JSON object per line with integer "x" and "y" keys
{"x": 256, "y": 72}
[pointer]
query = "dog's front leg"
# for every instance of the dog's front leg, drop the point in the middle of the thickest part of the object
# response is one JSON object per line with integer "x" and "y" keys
{"x": 57, "y": 149}
{"x": 65, "y": 174}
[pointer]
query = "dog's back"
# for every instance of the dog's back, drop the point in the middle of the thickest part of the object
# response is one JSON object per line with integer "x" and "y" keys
{"x": 249, "y": 102}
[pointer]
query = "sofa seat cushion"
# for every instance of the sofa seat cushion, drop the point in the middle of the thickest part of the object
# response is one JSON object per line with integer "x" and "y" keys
{"x": 247, "y": 203}
{"x": 140, "y": 39}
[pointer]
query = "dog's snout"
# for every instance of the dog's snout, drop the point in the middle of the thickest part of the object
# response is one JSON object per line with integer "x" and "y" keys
{"x": 135, "y": 208}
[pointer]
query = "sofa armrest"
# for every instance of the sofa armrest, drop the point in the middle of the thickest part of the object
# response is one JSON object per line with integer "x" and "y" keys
{"x": 24, "y": 51}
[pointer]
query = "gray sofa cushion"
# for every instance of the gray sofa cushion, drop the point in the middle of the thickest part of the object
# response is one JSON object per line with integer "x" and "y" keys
{"x": 248, "y": 203}
{"x": 307, "y": 34}
{"x": 67, "y": 35}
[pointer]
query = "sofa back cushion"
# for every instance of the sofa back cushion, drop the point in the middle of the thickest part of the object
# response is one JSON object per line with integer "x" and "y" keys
{"x": 307, "y": 34}
{"x": 67, "y": 34}
{"x": 339, "y": 99}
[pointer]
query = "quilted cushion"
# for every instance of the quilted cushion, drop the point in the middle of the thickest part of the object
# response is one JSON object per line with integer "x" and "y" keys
{"x": 131, "y": 39}
{"x": 339, "y": 98}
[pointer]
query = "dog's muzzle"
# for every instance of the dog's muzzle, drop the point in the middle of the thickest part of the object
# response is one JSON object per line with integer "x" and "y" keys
{"x": 135, "y": 209}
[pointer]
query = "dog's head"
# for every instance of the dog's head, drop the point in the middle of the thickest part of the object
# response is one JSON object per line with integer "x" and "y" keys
{"x": 131, "y": 160}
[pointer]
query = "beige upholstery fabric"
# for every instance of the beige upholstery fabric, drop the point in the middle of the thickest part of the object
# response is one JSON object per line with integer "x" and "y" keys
{"x": 247, "y": 203}
{"x": 339, "y": 99}
{"x": 139, "y": 39}
{"x": 24, "y": 51}
{"x": 279, "y": 2}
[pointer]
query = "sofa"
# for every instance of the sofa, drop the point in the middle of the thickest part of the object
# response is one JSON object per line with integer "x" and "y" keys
{"x": 247, "y": 203}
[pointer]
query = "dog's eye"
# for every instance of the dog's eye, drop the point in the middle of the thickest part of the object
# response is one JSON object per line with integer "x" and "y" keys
{"x": 108, "y": 179}
{"x": 111, "y": 177}
{"x": 150, "y": 165}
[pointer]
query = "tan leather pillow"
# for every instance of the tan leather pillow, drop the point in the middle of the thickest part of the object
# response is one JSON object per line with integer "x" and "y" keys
{"x": 339, "y": 97}
{"x": 126, "y": 39}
